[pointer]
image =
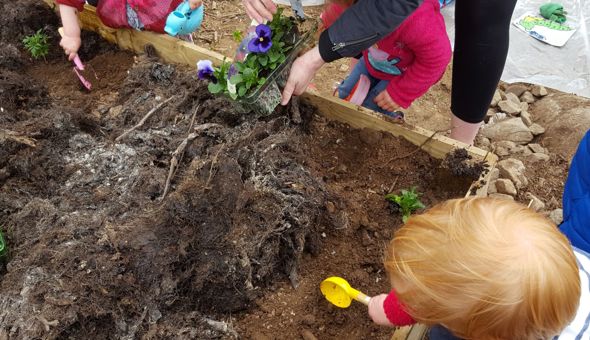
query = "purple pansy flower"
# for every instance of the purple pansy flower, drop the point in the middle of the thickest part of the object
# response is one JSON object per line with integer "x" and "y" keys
{"x": 262, "y": 42}
{"x": 232, "y": 71}
{"x": 205, "y": 70}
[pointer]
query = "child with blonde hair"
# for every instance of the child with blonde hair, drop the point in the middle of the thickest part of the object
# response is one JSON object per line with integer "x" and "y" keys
{"x": 482, "y": 268}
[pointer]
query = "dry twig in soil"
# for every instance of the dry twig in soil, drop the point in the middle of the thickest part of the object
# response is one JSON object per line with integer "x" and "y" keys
{"x": 143, "y": 120}
{"x": 16, "y": 137}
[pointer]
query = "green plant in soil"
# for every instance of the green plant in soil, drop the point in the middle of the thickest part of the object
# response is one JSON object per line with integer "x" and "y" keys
{"x": 3, "y": 248}
{"x": 237, "y": 36}
{"x": 408, "y": 202}
{"x": 37, "y": 44}
{"x": 266, "y": 51}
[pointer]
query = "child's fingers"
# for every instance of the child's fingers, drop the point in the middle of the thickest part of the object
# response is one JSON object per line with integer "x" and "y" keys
{"x": 195, "y": 4}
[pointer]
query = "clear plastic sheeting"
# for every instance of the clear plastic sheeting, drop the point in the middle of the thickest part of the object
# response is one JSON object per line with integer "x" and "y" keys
{"x": 564, "y": 68}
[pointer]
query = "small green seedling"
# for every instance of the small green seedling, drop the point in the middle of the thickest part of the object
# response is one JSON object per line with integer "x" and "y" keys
{"x": 407, "y": 202}
{"x": 237, "y": 36}
{"x": 37, "y": 44}
{"x": 3, "y": 248}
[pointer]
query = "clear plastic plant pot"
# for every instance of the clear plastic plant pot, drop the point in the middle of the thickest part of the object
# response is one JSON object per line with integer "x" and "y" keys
{"x": 267, "y": 97}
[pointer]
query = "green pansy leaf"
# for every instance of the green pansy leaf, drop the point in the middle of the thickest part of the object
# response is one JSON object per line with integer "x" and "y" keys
{"x": 215, "y": 87}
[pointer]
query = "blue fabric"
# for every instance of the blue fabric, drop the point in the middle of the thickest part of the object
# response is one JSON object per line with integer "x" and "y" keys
{"x": 377, "y": 86}
{"x": 576, "y": 198}
{"x": 438, "y": 332}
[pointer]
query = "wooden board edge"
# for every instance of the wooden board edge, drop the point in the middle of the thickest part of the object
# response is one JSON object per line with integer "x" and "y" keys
{"x": 432, "y": 142}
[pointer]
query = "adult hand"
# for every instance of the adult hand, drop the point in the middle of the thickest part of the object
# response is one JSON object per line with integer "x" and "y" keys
{"x": 195, "y": 3}
{"x": 302, "y": 72}
{"x": 260, "y": 10}
{"x": 384, "y": 101}
{"x": 376, "y": 311}
{"x": 70, "y": 45}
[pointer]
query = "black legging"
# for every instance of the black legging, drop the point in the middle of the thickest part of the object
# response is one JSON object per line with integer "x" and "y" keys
{"x": 481, "y": 46}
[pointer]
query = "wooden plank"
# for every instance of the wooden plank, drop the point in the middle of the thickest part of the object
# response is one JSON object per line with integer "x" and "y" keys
{"x": 176, "y": 51}
{"x": 435, "y": 144}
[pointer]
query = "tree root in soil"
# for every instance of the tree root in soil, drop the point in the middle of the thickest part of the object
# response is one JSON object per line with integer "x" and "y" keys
{"x": 144, "y": 119}
{"x": 16, "y": 137}
{"x": 179, "y": 152}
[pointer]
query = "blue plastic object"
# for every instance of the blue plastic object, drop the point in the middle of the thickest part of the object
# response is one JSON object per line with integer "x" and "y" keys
{"x": 184, "y": 20}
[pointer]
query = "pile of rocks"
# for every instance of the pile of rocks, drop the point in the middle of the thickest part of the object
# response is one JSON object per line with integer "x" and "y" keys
{"x": 509, "y": 132}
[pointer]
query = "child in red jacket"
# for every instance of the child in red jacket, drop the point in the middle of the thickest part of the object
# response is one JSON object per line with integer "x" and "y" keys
{"x": 138, "y": 14}
{"x": 483, "y": 268}
{"x": 400, "y": 67}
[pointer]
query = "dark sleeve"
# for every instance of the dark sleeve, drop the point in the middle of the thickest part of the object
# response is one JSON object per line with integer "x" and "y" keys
{"x": 481, "y": 45}
{"x": 362, "y": 25}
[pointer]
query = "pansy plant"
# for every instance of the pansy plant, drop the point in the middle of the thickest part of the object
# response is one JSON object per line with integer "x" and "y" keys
{"x": 266, "y": 51}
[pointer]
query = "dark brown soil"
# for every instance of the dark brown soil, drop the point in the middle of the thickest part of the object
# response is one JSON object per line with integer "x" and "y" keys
{"x": 257, "y": 206}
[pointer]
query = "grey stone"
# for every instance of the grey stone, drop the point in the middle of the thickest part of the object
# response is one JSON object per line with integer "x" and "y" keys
{"x": 517, "y": 89}
{"x": 537, "y": 129}
{"x": 537, "y": 148}
{"x": 523, "y": 107}
{"x": 492, "y": 188}
{"x": 484, "y": 143}
{"x": 502, "y": 196}
{"x": 506, "y": 144}
{"x": 537, "y": 157}
{"x": 556, "y": 216}
{"x": 526, "y": 118}
{"x": 539, "y": 91}
{"x": 526, "y": 151}
{"x": 509, "y": 107}
{"x": 527, "y": 97}
{"x": 501, "y": 151}
{"x": 512, "y": 97}
{"x": 534, "y": 202}
{"x": 494, "y": 174}
{"x": 496, "y": 99}
{"x": 512, "y": 129}
{"x": 505, "y": 186}
{"x": 490, "y": 113}
{"x": 502, "y": 94}
{"x": 513, "y": 169}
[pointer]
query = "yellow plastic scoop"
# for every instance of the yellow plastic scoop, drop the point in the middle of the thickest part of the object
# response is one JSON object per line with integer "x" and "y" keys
{"x": 340, "y": 293}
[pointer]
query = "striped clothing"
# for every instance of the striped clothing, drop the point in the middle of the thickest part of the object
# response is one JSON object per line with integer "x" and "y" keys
{"x": 579, "y": 329}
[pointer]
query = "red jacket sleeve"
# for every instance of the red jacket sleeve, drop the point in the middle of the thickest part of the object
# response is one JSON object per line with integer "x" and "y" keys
{"x": 331, "y": 13}
{"x": 78, "y": 4}
{"x": 432, "y": 52}
{"x": 395, "y": 311}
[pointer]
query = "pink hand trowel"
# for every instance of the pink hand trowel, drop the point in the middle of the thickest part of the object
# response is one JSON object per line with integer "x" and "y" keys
{"x": 79, "y": 67}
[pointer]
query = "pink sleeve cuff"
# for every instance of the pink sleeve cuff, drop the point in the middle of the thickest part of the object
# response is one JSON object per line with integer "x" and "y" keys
{"x": 405, "y": 103}
{"x": 395, "y": 311}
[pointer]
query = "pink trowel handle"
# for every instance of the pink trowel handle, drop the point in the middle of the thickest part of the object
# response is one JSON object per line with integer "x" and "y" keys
{"x": 78, "y": 63}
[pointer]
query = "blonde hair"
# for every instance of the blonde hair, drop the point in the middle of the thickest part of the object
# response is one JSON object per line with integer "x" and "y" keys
{"x": 485, "y": 269}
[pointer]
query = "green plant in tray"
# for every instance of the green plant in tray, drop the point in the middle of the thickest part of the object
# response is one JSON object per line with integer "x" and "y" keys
{"x": 258, "y": 55}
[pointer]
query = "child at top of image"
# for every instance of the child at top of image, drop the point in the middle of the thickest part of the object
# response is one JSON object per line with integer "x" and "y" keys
{"x": 402, "y": 66}
{"x": 137, "y": 14}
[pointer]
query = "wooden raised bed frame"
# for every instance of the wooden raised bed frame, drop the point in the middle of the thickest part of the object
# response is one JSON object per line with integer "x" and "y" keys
{"x": 176, "y": 51}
